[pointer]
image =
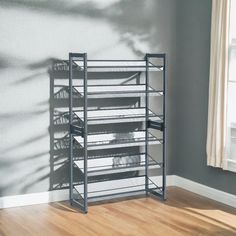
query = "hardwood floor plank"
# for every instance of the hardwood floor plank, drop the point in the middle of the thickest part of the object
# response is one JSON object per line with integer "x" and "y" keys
{"x": 184, "y": 213}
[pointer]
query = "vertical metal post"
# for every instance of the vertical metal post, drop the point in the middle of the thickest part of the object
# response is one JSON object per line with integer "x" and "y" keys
{"x": 164, "y": 131}
{"x": 70, "y": 123}
{"x": 146, "y": 122}
{"x": 85, "y": 136}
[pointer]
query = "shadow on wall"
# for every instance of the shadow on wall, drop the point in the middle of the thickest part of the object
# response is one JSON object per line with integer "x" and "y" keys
{"x": 140, "y": 26}
{"x": 139, "y": 23}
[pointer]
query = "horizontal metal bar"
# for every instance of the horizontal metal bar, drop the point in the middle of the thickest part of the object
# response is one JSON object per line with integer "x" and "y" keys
{"x": 120, "y": 92}
{"x": 122, "y": 108}
{"x": 113, "y": 85}
{"x": 117, "y": 89}
{"x": 156, "y": 55}
{"x": 103, "y": 60}
{"x": 114, "y": 60}
{"x": 71, "y": 54}
{"x": 116, "y": 195}
{"x": 160, "y": 92}
{"x": 159, "y": 67}
{"x": 99, "y": 181}
{"x": 106, "y": 190}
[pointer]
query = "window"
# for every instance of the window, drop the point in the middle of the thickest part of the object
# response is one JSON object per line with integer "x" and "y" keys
{"x": 230, "y": 162}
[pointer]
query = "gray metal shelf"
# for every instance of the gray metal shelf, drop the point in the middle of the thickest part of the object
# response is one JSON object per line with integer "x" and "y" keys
{"x": 120, "y": 115}
{"x": 88, "y": 142}
{"x": 117, "y": 66}
{"x": 116, "y": 140}
{"x": 126, "y": 90}
{"x": 102, "y": 166}
{"x": 135, "y": 184}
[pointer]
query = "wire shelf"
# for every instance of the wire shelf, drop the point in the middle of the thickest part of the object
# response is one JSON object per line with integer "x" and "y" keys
{"x": 112, "y": 164}
{"x": 117, "y": 66}
{"x": 121, "y": 186}
{"x": 127, "y": 90}
{"x": 117, "y": 140}
{"x": 105, "y": 116}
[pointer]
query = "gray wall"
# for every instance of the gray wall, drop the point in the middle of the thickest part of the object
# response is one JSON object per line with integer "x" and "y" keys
{"x": 33, "y": 33}
{"x": 193, "y": 48}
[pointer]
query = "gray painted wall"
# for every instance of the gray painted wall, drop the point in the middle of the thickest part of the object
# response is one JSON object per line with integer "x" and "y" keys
{"x": 35, "y": 32}
{"x": 193, "y": 48}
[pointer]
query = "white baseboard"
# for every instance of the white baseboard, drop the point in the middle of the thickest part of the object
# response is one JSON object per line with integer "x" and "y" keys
{"x": 172, "y": 180}
{"x": 34, "y": 198}
{"x": 203, "y": 190}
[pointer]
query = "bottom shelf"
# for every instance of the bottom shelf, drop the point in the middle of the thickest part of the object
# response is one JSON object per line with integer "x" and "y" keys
{"x": 120, "y": 186}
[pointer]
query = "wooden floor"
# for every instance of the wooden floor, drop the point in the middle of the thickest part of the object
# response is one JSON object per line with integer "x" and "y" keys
{"x": 184, "y": 213}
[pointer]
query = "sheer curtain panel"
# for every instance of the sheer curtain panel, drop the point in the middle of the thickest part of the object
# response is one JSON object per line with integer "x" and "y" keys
{"x": 219, "y": 64}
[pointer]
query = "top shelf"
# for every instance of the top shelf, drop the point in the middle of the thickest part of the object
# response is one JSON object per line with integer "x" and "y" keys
{"x": 118, "y": 66}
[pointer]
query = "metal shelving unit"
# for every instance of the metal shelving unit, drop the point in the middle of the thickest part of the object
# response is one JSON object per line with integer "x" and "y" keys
{"x": 133, "y": 171}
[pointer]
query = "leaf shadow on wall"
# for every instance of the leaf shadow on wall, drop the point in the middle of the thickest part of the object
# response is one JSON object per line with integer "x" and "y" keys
{"x": 137, "y": 22}
{"x": 140, "y": 24}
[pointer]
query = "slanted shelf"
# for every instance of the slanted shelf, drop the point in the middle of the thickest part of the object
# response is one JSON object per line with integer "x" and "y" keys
{"x": 120, "y": 186}
{"x": 120, "y": 173}
{"x": 111, "y": 164}
{"x": 125, "y": 90}
{"x": 118, "y": 66}
{"x": 105, "y": 116}
{"x": 116, "y": 140}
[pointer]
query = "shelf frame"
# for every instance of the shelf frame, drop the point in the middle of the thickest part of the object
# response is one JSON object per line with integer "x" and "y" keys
{"x": 83, "y": 57}
{"x": 149, "y": 123}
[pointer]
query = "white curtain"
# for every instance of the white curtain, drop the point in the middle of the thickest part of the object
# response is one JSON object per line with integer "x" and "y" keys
{"x": 230, "y": 154}
{"x": 219, "y": 64}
